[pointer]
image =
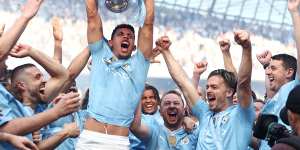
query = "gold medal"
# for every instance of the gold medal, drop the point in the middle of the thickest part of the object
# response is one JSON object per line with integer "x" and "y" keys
{"x": 172, "y": 140}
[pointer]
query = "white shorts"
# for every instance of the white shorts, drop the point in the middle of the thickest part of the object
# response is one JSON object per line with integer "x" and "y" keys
{"x": 90, "y": 140}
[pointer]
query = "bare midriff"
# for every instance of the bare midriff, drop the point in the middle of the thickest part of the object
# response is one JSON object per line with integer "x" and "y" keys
{"x": 94, "y": 125}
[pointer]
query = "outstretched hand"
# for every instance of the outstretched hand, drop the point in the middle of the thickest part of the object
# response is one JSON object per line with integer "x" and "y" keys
{"x": 57, "y": 29}
{"x": 20, "y": 51}
{"x": 30, "y": 8}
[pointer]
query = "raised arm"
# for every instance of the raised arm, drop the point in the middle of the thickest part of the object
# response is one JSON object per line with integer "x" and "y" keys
{"x": 57, "y": 72}
{"x": 264, "y": 58}
{"x": 199, "y": 68}
{"x": 70, "y": 130}
{"x": 11, "y": 36}
{"x": 145, "y": 35}
{"x": 137, "y": 128}
{"x": 244, "y": 75}
{"x": 94, "y": 23}
{"x": 58, "y": 37}
{"x": 293, "y": 6}
{"x": 225, "y": 49}
{"x": 76, "y": 66}
{"x": 66, "y": 104}
{"x": 177, "y": 73}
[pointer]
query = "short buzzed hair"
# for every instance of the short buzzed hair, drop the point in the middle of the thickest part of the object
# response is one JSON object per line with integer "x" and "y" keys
{"x": 16, "y": 74}
{"x": 173, "y": 92}
{"x": 120, "y": 26}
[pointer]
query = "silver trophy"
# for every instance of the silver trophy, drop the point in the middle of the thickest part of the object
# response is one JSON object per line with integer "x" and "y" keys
{"x": 123, "y": 11}
{"x": 117, "y": 6}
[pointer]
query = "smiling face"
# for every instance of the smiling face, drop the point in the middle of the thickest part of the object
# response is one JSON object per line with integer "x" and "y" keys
{"x": 149, "y": 103}
{"x": 218, "y": 93}
{"x": 172, "y": 110}
{"x": 122, "y": 43}
{"x": 277, "y": 74}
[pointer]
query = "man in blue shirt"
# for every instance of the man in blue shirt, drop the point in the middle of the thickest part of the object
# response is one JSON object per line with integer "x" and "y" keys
{"x": 117, "y": 78}
{"x": 27, "y": 82}
{"x": 14, "y": 114}
{"x": 171, "y": 134}
{"x": 222, "y": 125}
{"x": 150, "y": 101}
{"x": 283, "y": 72}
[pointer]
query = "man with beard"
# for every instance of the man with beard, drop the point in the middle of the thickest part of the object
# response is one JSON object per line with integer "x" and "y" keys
{"x": 14, "y": 113}
{"x": 171, "y": 134}
{"x": 118, "y": 79}
{"x": 222, "y": 125}
{"x": 29, "y": 87}
{"x": 283, "y": 72}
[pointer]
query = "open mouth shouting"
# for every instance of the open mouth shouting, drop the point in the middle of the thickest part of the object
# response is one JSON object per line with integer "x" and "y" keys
{"x": 42, "y": 88}
{"x": 211, "y": 100}
{"x": 172, "y": 115}
{"x": 125, "y": 46}
{"x": 271, "y": 79}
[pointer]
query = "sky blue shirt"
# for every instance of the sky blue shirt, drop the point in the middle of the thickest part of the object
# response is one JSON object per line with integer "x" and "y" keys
{"x": 227, "y": 130}
{"x": 56, "y": 126}
{"x": 159, "y": 135}
{"x": 116, "y": 85}
{"x": 11, "y": 109}
{"x": 136, "y": 143}
{"x": 276, "y": 103}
